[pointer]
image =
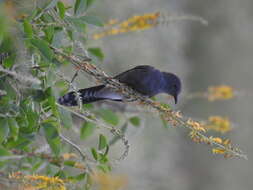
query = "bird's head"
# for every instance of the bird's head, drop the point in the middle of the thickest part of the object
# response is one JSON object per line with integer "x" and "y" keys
{"x": 172, "y": 85}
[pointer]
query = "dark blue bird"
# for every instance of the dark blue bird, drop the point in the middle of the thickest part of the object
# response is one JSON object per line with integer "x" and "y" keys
{"x": 144, "y": 79}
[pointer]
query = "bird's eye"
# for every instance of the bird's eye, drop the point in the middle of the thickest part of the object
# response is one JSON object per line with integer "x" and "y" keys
{"x": 175, "y": 86}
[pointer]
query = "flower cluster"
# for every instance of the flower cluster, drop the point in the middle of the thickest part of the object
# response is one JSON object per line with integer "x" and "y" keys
{"x": 221, "y": 146}
{"x": 218, "y": 123}
{"x": 222, "y": 92}
{"x": 198, "y": 130}
{"x": 109, "y": 182}
{"x": 196, "y": 125}
{"x": 135, "y": 23}
{"x": 37, "y": 182}
{"x": 227, "y": 145}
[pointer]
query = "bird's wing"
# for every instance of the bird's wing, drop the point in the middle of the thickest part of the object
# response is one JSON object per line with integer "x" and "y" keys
{"x": 123, "y": 77}
{"x": 139, "y": 78}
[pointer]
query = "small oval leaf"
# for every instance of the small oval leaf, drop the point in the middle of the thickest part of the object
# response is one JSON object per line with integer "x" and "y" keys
{"x": 4, "y": 129}
{"x": 80, "y": 7}
{"x": 61, "y": 9}
{"x": 97, "y": 52}
{"x": 102, "y": 142}
{"x": 92, "y": 20}
{"x": 135, "y": 121}
{"x": 87, "y": 129}
{"x": 43, "y": 47}
{"x": 28, "y": 29}
{"x": 109, "y": 116}
{"x": 94, "y": 153}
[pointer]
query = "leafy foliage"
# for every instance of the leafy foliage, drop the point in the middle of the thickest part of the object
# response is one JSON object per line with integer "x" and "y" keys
{"x": 30, "y": 118}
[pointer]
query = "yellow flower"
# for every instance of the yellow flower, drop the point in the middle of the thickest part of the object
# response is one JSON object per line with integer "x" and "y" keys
{"x": 222, "y": 92}
{"x": 112, "y": 22}
{"x": 98, "y": 36}
{"x": 67, "y": 156}
{"x": 108, "y": 181}
{"x": 195, "y": 125}
{"x": 219, "y": 124}
{"x": 113, "y": 31}
{"x": 79, "y": 165}
{"x": 178, "y": 114}
{"x": 218, "y": 151}
{"x": 227, "y": 142}
{"x": 194, "y": 136}
{"x": 216, "y": 139}
{"x": 124, "y": 24}
{"x": 45, "y": 182}
{"x": 135, "y": 23}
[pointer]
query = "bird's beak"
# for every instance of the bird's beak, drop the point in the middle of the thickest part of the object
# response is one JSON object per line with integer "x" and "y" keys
{"x": 175, "y": 98}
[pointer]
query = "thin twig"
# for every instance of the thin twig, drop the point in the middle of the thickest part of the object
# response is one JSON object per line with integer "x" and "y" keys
{"x": 168, "y": 18}
{"x": 84, "y": 157}
{"x": 21, "y": 77}
{"x": 93, "y": 119}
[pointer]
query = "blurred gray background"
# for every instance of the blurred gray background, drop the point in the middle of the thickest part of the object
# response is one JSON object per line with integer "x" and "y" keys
{"x": 220, "y": 53}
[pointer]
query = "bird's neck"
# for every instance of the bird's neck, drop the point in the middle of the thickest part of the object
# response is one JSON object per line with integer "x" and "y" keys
{"x": 166, "y": 85}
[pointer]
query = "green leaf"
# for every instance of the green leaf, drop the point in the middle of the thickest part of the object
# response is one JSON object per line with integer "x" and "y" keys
{"x": 61, "y": 9}
{"x": 103, "y": 158}
{"x": 50, "y": 130}
{"x": 4, "y": 129}
{"x": 50, "y": 77}
{"x": 109, "y": 116}
{"x": 9, "y": 62}
{"x": 61, "y": 174}
{"x": 106, "y": 150}
{"x": 70, "y": 34}
{"x": 87, "y": 129}
{"x": 36, "y": 166}
{"x": 58, "y": 39}
{"x": 52, "y": 137}
{"x": 66, "y": 118}
{"x": 80, "y": 177}
{"x": 22, "y": 142}
{"x": 61, "y": 84}
{"x": 97, "y": 52}
{"x": 80, "y": 7}
{"x": 4, "y": 152}
{"x": 166, "y": 106}
{"x": 43, "y": 47}
{"x": 135, "y": 121}
{"x": 29, "y": 121}
{"x": 78, "y": 23}
{"x": 92, "y": 20}
{"x": 70, "y": 163}
{"x": 14, "y": 128}
{"x": 88, "y": 106}
{"x": 89, "y": 3}
{"x": 102, "y": 142}
{"x": 104, "y": 168}
{"x": 51, "y": 101}
{"x": 28, "y": 29}
{"x": 50, "y": 32}
{"x": 94, "y": 153}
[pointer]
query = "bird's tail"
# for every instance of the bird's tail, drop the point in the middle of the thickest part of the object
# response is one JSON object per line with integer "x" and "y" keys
{"x": 87, "y": 95}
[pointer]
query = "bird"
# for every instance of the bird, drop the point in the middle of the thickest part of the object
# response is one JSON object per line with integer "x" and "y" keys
{"x": 145, "y": 79}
